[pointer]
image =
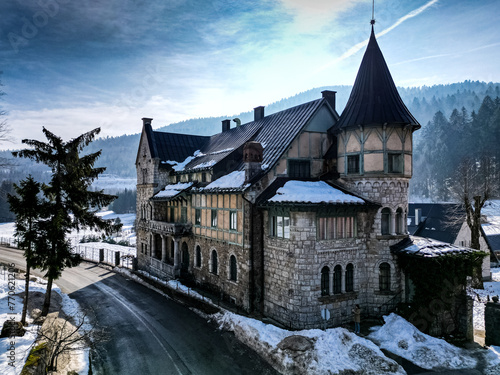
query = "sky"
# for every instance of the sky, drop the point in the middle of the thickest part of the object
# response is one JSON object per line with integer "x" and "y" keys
{"x": 72, "y": 66}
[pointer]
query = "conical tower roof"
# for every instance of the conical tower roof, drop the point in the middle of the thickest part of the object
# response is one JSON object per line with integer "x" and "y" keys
{"x": 374, "y": 98}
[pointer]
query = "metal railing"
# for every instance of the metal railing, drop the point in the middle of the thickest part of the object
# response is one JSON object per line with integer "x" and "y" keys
{"x": 106, "y": 256}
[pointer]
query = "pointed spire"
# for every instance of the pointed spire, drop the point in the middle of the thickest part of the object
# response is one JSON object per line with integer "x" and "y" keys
{"x": 374, "y": 98}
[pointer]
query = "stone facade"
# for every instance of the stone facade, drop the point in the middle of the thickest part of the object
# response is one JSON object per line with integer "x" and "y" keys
{"x": 492, "y": 323}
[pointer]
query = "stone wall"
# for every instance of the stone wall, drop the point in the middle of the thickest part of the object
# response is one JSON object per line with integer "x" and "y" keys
{"x": 292, "y": 273}
{"x": 492, "y": 323}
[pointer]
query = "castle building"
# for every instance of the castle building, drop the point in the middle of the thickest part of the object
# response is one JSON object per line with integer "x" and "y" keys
{"x": 289, "y": 214}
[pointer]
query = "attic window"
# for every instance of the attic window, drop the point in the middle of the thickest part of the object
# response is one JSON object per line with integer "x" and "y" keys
{"x": 352, "y": 164}
{"x": 299, "y": 168}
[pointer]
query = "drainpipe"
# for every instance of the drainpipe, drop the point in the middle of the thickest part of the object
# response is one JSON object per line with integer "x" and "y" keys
{"x": 252, "y": 269}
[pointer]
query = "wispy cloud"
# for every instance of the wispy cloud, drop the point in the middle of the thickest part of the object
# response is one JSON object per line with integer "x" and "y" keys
{"x": 357, "y": 47}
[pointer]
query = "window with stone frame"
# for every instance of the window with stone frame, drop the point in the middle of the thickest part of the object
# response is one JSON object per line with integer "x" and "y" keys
{"x": 213, "y": 220}
{"x": 337, "y": 279}
{"x": 325, "y": 281}
{"x": 399, "y": 221}
{"x": 197, "y": 216}
{"x": 386, "y": 221}
{"x": 330, "y": 228}
{"x": 233, "y": 269}
{"x": 385, "y": 277}
{"x": 198, "y": 256}
{"x": 349, "y": 278}
{"x": 353, "y": 164}
{"x": 395, "y": 163}
{"x": 299, "y": 168}
{"x": 214, "y": 263}
{"x": 233, "y": 220}
{"x": 280, "y": 226}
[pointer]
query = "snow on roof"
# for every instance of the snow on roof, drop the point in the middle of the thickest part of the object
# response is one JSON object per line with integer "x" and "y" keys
{"x": 179, "y": 166}
{"x": 312, "y": 192}
{"x": 233, "y": 180}
{"x": 427, "y": 247}
{"x": 172, "y": 190}
{"x": 491, "y": 210}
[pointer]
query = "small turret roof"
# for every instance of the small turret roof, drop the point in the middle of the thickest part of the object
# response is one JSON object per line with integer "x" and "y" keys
{"x": 374, "y": 98}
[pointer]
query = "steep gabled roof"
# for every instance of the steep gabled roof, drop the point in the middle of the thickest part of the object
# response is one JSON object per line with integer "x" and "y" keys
{"x": 436, "y": 220}
{"x": 275, "y": 132}
{"x": 177, "y": 147}
{"x": 280, "y": 129}
{"x": 374, "y": 98}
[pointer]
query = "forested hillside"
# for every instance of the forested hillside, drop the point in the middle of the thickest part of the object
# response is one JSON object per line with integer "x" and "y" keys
{"x": 118, "y": 153}
{"x": 447, "y": 141}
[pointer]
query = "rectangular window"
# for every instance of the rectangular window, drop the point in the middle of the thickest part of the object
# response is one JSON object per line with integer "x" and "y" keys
{"x": 299, "y": 168}
{"x": 183, "y": 214}
{"x": 172, "y": 214}
{"x": 395, "y": 163}
{"x": 330, "y": 228}
{"x": 214, "y": 218}
{"x": 233, "y": 220}
{"x": 197, "y": 216}
{"x": 353, "y": 164}
{"x": 280, "y": 226}
{"x": 203, "y": 177}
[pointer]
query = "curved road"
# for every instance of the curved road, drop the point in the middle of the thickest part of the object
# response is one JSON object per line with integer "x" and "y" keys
{"x": 149, "y": 334}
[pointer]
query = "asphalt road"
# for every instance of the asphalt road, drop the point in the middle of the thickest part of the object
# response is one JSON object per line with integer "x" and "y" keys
{"x": 148, "y": 333}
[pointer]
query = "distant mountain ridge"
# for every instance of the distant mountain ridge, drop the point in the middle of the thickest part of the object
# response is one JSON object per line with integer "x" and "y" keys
{"x": 118, "y": 153}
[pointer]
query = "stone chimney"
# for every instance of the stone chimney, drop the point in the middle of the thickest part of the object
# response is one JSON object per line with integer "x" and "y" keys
{"x": 330, "y": 97}
{"x": 418, "y": 215}
{"x": 253, "y": 153}
{"x": 146, "y": 121}
{"x": 226, "y": 125}
{"x": 258, "y": 113}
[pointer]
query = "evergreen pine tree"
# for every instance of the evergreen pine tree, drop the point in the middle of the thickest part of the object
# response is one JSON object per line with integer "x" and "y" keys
{"x": 70, "y": 202}
{"x": 27, "y": 206}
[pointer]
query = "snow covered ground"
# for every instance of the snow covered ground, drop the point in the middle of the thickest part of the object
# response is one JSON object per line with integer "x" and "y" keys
{"x": 337, "y": 350}
{"x": 491, "y": 289}
{"x": 127, "y": 233}
{"x": 13, "y": 352}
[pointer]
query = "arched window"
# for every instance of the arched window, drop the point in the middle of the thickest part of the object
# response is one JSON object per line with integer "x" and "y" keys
{"x": 214, "y": 262}
{"x": 198, "y": 256}
{"x": 337, "y": 279}
{"x": 233, "y": 270}
{"x": 385, "y": 277}
{"x": 399, "y": 221}
{"x": 325, "y": 281}
{"x": 349, "y": 278}
{"x": 185, "y": 257}
{"x": 386, "y": 220}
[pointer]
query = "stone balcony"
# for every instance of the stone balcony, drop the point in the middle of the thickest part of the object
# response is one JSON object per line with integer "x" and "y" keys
{"x": 166, "y": 228}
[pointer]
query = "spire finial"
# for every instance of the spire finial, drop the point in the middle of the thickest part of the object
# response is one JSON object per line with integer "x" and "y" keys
{"x": 372, "y": 22}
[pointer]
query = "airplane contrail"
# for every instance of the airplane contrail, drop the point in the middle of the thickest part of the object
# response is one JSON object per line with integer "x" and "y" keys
{"x": 351, "y": 51}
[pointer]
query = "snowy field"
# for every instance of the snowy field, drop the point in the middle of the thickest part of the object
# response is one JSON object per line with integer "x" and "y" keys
{"x": 18, "y": 348}
{"x": 91, "y": 250}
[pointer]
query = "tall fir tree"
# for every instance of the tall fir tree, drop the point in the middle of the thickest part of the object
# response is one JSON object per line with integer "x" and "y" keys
{"x": 27, "y": 206}
{"x": 71, "y": 204}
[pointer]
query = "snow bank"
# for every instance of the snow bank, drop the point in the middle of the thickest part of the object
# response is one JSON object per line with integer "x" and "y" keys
{"x": 22, "y": 345}
{"x": 333, "y": 351}
{"x": 402, "y": 338}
